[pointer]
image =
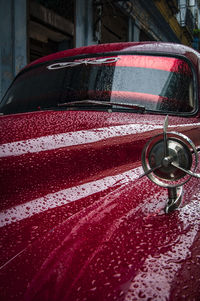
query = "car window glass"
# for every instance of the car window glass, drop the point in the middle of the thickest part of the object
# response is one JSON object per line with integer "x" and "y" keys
{"x": 163, "y": 84}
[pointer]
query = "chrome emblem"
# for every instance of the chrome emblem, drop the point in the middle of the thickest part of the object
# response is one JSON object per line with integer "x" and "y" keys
{"x": 61, "y": 65}
{"x": 169, "y": 160}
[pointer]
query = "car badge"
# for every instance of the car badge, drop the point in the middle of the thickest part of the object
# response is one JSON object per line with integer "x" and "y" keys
{"x": 170, "y": 160}
{"x": 97, "y": 61}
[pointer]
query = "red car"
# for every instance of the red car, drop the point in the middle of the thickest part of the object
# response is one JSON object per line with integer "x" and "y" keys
{"x": 100, "y": 191}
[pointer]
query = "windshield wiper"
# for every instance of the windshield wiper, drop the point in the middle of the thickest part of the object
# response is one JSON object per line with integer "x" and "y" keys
{"x": 103, "y": 103}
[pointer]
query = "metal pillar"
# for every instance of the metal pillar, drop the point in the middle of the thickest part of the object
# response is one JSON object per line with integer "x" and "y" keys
{"x": 134, "y": 31}
{"x": 130, "y": 30}
{"x": 84, "y": 23}
{"x": 13, "y": 40}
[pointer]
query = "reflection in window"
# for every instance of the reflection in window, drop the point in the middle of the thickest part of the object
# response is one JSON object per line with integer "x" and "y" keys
{"x": 163, "y": 84}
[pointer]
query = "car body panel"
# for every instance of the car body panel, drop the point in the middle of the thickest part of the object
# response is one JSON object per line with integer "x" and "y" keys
{"x": 78, "y": 223}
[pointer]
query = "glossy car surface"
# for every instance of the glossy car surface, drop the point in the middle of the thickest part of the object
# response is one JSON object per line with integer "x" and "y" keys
{"x": 77, "y": 222}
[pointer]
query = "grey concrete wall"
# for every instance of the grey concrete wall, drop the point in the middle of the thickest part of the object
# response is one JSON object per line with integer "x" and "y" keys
{"x": 84, "y": 23}
{"x": 13, "y": 40}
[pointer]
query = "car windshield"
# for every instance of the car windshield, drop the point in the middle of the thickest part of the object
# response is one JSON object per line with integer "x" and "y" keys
{"x": 159, "y": 83}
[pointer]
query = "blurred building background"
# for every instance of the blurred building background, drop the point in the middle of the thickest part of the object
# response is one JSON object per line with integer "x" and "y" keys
{"x": 30, "y": 29}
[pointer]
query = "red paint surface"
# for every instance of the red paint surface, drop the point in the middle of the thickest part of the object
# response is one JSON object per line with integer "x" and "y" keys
{"x": 78, "y": 224}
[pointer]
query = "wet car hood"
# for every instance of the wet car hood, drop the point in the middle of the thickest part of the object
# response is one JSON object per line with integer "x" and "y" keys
{"x": 76, "y": 221}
